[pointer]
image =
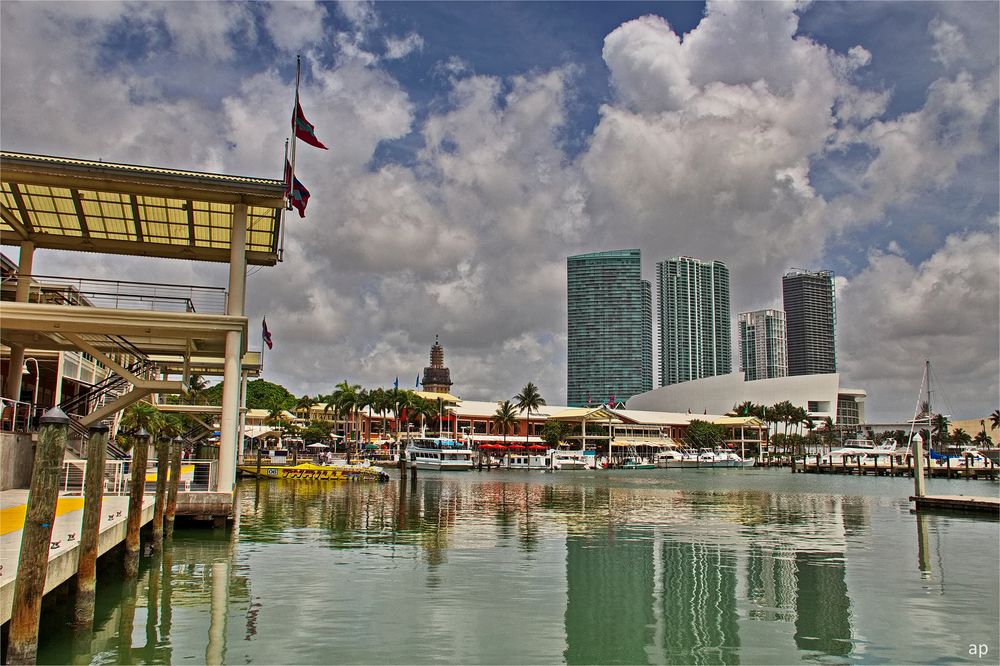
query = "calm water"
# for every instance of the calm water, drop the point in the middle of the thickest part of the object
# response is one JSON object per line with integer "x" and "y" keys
{"x": 657, "y": 566}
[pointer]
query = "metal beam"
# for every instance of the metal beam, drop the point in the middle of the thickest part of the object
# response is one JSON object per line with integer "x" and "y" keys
{"x": 15, "y": 224}
{"x": 80, "y": 215}
{"x": 136, "y": 217}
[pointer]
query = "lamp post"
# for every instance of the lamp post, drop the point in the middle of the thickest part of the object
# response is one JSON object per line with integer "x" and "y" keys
{"x": 38, "y": 377}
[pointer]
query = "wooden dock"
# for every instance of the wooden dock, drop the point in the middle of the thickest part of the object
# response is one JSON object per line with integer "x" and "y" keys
{"x": 958, "y": 503}
{"x": 894, "y": 467}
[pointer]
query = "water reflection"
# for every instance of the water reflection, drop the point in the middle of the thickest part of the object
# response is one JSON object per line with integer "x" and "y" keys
{"x": 502, "y": 568}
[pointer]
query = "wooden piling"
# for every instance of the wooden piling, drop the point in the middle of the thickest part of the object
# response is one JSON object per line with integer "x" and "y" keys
{"x": 162, "y": 463}
{"x": 175, "y": 481}
{"x": 33, "y": 563}
{"x": 90, "y": 528}
{"x": 137, "y": 469}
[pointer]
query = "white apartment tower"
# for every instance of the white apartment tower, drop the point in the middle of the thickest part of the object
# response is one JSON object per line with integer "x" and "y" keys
{"x": 763, "y": 347}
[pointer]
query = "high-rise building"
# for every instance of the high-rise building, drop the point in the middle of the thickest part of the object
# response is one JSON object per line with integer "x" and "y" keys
{"x": 811, "y": 321}
{"x": 762, "y": 344}
{"x": 694, "y": 319}
{"x": 610, "y": 326}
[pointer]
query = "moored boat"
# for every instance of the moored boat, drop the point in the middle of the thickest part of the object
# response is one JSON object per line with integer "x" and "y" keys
{"x": 311, "y": 472}
{"x": 439, "y": 453}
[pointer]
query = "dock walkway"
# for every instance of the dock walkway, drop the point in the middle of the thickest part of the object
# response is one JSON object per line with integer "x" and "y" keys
{"x": 958, "y": 503}
{"x": 62, "y": 560}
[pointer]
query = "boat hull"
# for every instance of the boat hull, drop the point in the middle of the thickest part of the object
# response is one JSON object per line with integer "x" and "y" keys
{"x": 310, "y": 472}
{"x": 458, "y": 466}
{"x": 716, "y": 464}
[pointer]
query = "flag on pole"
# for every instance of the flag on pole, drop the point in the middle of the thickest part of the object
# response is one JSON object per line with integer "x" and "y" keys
{"x": 297, "y": 193}
{"x": 395, "y": 384}
{"x": 266, "y": 335}
{"x": 611, "y": 400}
{"x": 303, "y": 128}
{"x": 418, "y": 381}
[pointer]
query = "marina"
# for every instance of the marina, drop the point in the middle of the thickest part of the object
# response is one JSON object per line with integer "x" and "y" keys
{"x": 634, "y": 566}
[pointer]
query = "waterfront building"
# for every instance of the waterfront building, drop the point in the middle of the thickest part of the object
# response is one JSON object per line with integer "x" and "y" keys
{"x": 810, "y": 304}
{"x": 694, "y": 319}
{"x": 610, "y": 329}
{"x": 820, "y": 395}
{"x": 437, "y": 378}
{"x": 762, "y": 344}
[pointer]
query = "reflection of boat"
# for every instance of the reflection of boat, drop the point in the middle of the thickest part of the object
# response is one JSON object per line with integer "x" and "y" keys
{"x": 706, "y": 458}
{"x": 439, "y": 453}
{"x": 309, "y": 471}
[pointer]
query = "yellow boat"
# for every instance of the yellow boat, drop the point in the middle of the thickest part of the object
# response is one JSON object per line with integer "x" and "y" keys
{"x": 311, "y": 472}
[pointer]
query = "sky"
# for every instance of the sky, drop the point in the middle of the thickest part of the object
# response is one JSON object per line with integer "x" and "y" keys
{"x": 474, "y": 146}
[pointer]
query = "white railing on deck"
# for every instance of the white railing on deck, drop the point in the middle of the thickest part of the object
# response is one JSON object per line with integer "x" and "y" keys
{"x": 117, "y": 477}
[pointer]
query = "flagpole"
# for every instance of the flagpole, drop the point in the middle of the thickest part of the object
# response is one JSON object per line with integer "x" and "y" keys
{"x": 262, "y": 345}
{"x": 298, "y": 68}
{"x": 288, "y": 205}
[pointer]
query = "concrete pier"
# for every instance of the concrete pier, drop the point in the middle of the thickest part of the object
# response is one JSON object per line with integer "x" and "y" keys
{"x": 64, "y": 559}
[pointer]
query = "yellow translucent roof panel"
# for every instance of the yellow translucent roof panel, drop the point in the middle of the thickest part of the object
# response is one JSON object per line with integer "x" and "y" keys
{"x": 72, "y": 204}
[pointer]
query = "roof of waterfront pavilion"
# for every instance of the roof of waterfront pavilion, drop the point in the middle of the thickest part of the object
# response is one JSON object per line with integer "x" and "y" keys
{"x": 93, "y": 206}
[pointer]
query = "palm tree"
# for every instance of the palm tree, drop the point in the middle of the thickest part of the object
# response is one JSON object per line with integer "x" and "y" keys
{"x": 940, "y": 425}
{"x": 983, "y": 440}
{"x": 527, "y": 400}
{"x": 143, "y": 415}
{"x": 423, "y": 408}
{"x": 995, "y": 418}
{"x": 345, "y": 397}
{"x": 961, "y": 437}
{"x": 303, "y": 406}
{"x": 504, "y": 419}
{"x": 380, "y": 401}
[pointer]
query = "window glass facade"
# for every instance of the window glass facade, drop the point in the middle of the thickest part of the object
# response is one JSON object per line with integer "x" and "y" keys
{"x": 811, "y": 320}
{"x": 694, "y": 319}
{"x": 609, "y": 326}
{"x": 762, "y": 344}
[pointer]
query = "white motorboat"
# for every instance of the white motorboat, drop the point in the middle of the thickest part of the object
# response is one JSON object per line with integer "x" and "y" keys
{"x": 705, "y": 458}
{"x": 550, "y": 460}
{"x": 439, "y": 453}
{"x": 567, "y": 460}
{"x": 865, "y": 449}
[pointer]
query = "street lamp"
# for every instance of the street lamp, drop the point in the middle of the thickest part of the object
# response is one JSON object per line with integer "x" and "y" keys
{"x": 38, "y": 377}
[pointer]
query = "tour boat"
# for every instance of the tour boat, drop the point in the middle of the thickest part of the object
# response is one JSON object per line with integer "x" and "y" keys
{"x": 439, "y": 453}
{"x": 311, "y": 472}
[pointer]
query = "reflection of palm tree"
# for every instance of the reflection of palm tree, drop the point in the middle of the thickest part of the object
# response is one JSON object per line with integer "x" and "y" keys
{"x": 527, "y": 400}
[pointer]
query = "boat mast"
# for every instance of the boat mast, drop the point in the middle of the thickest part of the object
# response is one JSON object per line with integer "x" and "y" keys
{"x": 930, "y": 412}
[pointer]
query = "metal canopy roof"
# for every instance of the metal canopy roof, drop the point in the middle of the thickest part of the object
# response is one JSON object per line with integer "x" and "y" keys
{"x": 86, "y": 206}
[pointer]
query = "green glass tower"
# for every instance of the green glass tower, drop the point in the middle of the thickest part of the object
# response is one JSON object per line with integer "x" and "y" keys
{"x": 694, "y": 319}
{"x": 610, "y": 326}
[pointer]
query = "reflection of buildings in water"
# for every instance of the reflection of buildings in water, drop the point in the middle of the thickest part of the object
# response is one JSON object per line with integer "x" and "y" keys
{"x": 609, "y": 604}
{"x": 640, "y": 599}
{"x": 771, "y": 583}
{"x": 822, "y": 607}
{"x": 699, "y": 602}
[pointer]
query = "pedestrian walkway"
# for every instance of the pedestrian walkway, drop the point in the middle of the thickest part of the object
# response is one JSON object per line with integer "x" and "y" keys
{"x": 65, "y": 540}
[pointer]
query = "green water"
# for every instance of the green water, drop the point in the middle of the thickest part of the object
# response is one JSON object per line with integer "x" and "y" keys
{"x": 658, "y": 566}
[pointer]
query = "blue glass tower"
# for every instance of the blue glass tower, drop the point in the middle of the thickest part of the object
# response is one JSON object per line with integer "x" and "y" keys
{"x": 610, "y": 326}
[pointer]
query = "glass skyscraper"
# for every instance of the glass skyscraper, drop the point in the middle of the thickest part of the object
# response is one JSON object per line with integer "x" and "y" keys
{"x": 695, "y": 324}
{"x": 610, "y": 327}
{"x": 811, "y": 319}
{"x": 762, "y": 344}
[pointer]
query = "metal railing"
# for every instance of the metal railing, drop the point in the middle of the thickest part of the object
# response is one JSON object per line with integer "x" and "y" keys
{"x": 196, "y": 476}
{"x": 128, "y": 295}
{"x": 18, "y": 416}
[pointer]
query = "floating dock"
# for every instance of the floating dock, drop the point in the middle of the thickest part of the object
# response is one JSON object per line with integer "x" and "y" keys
{"x": 958, "y": 503}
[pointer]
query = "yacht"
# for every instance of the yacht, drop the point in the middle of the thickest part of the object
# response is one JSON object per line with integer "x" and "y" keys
{"x": 866, "y": 449}
{"x": 705, "y": 458}
{"x": 552, "y": 459}
{"x": 439, "y": 453}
